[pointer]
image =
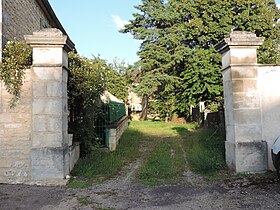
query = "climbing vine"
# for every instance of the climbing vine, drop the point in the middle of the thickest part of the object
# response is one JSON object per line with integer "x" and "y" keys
{"x": 16, "y": 57}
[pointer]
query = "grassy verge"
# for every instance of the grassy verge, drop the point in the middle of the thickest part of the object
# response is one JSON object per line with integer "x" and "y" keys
{"x": 206, "y": 151}
{"x": 101, "y": 166}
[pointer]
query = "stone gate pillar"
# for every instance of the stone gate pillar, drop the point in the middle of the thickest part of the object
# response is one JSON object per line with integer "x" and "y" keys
{"x": 245, "y": 150}
{"x": 49, "y": 153}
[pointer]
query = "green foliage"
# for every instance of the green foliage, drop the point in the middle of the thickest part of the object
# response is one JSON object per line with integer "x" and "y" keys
{"x": 85, "y": 85}
{"x": 84, "y": 200}
{"x": 17, "y": 56}
{"x": 178, "y": 39}
{"x": 88, "y": 78}
{"x": 215, "y": 104}
{"x": 78, "y": 184}
{"x": 116, "y": 80}
{"x": 202, "y": 80}
{"x": 206, "y": 152}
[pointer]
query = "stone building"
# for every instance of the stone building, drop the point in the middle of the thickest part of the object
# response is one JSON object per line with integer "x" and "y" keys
{"x": 23, "y": 17}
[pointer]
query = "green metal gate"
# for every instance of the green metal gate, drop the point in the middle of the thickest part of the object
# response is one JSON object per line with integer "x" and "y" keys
{"x": 111, "y": 113}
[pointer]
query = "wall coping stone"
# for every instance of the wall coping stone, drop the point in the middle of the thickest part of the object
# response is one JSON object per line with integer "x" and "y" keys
{"x": 51, "y": 37}
{"x": 117, "y": 123}
{"x": 239, "y": 39}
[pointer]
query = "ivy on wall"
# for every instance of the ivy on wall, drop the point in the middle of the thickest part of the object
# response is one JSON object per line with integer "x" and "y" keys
{"x": 16, "y": 57}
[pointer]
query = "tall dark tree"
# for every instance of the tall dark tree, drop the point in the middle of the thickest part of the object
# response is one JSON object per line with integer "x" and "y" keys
{"x": 178, "y": 39}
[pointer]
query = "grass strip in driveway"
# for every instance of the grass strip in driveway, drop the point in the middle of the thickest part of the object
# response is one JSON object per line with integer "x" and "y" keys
{"x": 162, "y": 147}
{"x": 165, "y": 164}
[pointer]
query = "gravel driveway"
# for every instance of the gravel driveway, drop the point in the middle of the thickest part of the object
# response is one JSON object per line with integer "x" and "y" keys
{"x": 253, "y": 192}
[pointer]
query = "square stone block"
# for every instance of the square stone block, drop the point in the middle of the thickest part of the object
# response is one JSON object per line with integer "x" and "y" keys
{"x": 47, "y": 106}
{"x": 230, "y": 133}
{"x": 248, "y": 133}
{"x": 48, "y": 163}
{"x": 244, "y": 72}
{"x": 53, "y": 54}
{"x": 230, "y": 153}
{"x": 39, "y": 89}
{"x": 54, "y": 89}
{"x": 47, "y": 73}
{"x": 47, "y": 139}
{"x": 247, "y": 117}
{"x": 246, "y": 100}
{"x": 251, "y": 157}
{"x": 243, "y": 55}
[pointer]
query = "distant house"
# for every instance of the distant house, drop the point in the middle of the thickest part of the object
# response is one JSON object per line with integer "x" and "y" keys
{"x": 23, "y": 17}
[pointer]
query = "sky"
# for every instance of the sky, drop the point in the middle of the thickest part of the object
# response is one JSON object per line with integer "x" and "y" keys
{"x": 93, "y": 25}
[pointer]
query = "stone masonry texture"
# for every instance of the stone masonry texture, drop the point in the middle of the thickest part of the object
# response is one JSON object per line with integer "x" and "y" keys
{"x": 15, "y": 135}
{"x": 21, "y": 17}
{"x": 34, "y": 146}
{"x": 252, "y": 103}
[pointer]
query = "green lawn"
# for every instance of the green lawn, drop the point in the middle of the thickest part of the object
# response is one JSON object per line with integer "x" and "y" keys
{"x": 164, "y": 148}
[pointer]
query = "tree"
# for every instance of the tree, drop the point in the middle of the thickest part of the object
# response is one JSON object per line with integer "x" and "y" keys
{"x": 117, "y": 83}
{"x": 178, "y": 39}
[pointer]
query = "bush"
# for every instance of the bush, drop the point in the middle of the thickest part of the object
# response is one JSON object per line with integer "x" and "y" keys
{"x": 85, "y": 85}
{"x": 88, "y": 78}
{"x": 17, "y": 56}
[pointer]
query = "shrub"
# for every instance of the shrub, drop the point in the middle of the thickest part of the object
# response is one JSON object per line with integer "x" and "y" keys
{"x": 85, "y": 85}
{"x": 17, "y": 56}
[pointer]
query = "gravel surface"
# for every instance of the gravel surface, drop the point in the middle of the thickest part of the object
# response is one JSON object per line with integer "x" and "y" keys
{"x": 253, "y": 192}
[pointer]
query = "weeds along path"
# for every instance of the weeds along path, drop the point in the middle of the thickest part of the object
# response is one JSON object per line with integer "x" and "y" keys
{"x": 188, "y": 175}
{"x": 128, "y": 173}
{"x": 162, "y": 157}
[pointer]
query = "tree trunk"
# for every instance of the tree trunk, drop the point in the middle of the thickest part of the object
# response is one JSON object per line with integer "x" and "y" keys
{"x": 144, "y": 107}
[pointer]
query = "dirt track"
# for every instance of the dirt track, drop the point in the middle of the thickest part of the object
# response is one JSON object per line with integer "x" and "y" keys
{"x": 256, "y": 192}
{"x": 122, "y": 192}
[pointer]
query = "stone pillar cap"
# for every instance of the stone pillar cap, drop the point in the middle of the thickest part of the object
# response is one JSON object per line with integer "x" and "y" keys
{"x": 49, "y": 36}
{"x": 240, "y": 38}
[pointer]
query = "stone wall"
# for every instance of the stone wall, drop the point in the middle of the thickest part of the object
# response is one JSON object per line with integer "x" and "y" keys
{"x": 252, "y": 103}
{"x": 16, "y": 135}
{"x": 269, "y": 90}
{"x": 115, "y": 132}
{"x": 34, "y": 143}
{"x": 21, "y": 18}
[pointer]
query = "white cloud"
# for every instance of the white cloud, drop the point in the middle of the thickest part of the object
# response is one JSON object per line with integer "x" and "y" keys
{"x": 119, "y": 22}
{"x": 278, "y": 5}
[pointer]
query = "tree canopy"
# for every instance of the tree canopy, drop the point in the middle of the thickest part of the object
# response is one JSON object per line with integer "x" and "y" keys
{"x": 178, "y": 61}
